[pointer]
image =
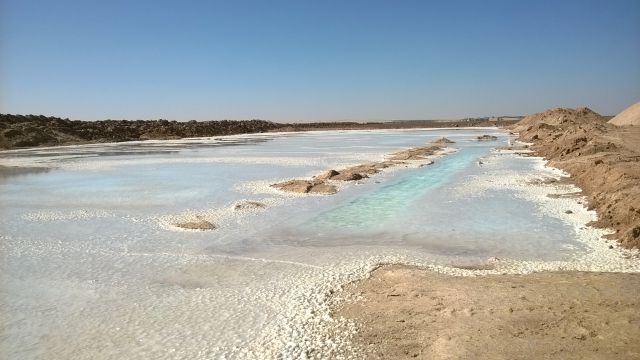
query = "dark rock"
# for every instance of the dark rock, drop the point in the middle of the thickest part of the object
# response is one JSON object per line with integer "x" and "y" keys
{"x": 348, "y": 176}
{"x": 249, "y": 205}
{"x": 487, "y": 138}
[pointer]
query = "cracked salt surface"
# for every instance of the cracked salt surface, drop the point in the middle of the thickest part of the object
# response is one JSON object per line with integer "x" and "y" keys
{"x": 82, "y": 279}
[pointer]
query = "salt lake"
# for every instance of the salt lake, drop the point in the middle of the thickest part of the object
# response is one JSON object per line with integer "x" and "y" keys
{"x": 93, "y": 266}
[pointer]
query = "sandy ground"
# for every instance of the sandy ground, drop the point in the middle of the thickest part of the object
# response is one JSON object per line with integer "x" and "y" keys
{"x": 603, "y": 160}
{"x": 408, "y": 312}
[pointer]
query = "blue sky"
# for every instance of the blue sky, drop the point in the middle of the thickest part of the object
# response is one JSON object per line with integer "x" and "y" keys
{"x": 308, "y": 60}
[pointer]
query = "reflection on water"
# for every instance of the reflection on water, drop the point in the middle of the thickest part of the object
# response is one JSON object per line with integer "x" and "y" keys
{"x": 133, "y": 148}
{"x": 12, "y": 171}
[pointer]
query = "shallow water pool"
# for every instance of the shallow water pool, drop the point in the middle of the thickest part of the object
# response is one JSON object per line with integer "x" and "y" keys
{"x": 92, "y": 267}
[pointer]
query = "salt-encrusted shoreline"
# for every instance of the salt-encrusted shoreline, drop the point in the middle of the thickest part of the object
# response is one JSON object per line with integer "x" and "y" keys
{"x": 272, "y": 197}
{"x": 326, "y": 183}
{"x": 264, "y": 187}
{"x": 317, "y": 334}
{"x": 304, "y": 327}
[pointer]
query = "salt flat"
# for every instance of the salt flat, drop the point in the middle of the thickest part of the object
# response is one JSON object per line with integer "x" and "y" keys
{"x": 93, "y": 266}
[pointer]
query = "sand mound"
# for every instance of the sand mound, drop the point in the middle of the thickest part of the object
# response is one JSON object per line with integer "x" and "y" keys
{"x": 558, "y": 117}
{"x": 443, "y": 141}
{"x": 604, "y": 161}
{"x": 358, "y": 172}
{"x": 197, "y": 224}
{"x": 306, "y": 186}
{"x": 630, "y": 116}
{"x": 415, "y": 153}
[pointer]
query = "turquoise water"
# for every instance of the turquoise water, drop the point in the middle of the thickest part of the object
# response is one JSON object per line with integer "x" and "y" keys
{"x": 374, "y": 210}
{"x": 422, "y": 208}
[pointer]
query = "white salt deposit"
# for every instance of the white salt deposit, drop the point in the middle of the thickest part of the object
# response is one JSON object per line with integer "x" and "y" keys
{"x": 94, "y": 267}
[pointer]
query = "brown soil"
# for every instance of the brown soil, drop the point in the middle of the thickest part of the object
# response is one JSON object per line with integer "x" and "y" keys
{"x": 407, "y": 312}
{"x": 318, "y": 183}
{"x": 415, "y": 153}
{"x": 443, "y": 141}
{"x": 306, "y": 186}
{"x": 603, "y": 160}
{"x": 197, "y": 225}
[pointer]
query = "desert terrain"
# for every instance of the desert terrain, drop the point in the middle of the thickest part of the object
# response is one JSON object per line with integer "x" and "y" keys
{"x": 406, "y": 313}
{"x": 602, "y": 158}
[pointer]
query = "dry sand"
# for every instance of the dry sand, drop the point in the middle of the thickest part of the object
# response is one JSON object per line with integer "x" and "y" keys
{"x": 630, "y": 116}
{"x": 408, "y": 312}
{"x": 603, "y": 160}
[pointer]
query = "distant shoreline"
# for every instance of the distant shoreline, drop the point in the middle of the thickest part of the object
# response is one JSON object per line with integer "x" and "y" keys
{"x": 19, "y": 131}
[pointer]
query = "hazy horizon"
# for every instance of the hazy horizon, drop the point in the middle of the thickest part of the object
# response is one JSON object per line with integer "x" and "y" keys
{"x": 290, "y": 61}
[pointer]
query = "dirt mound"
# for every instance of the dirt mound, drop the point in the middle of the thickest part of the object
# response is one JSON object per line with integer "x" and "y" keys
{"x": 558, "y": 117}
{"x": 443, "y": 141}
{"x": 306, "y": 186}
{"x": 198, "y": 224}
{"x": 604, "y": 161}
{"x": 415, "y": 153}
{"x": 630, "y": 116}
{"x": 487, "y": 138}
{"x": 318, "y": 183}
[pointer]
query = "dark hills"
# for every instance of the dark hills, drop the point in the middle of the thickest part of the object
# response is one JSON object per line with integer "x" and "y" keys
{"x": 20, "y": 131}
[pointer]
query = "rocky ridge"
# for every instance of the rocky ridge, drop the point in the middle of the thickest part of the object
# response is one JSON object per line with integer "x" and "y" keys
{"x": 21, "y": 131}
{"x": 17, "y": 131}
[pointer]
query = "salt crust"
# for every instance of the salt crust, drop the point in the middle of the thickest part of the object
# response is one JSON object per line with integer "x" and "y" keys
{"x": 50, "y": 215}
{"x": 217, "y": 216}
{"x": 305, "y": 328}
{"x": 311, "y": 332}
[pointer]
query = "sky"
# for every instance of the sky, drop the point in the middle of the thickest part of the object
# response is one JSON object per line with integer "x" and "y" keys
{"x": 305, "y": 60}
